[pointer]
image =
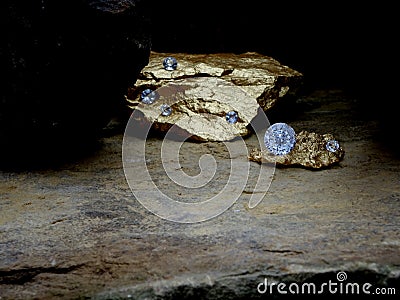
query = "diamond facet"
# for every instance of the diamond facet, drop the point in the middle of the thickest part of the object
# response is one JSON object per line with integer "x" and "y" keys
{"x": 231, "y": 117}
{"x": 166, "y": 110}
{"x": 332, "y": 145}
{"x": 170, "y": 63}
{"x": 280, "y": 138}
{"x": 148, "y": 96}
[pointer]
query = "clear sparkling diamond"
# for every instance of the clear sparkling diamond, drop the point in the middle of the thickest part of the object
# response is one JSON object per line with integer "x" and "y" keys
{"x": 332, "y": 145}
{"x": 231, "y": 117}
{"x": 170, "y": 63}
{"x": 166, "y": 110}
{"x": 280, "y": 138}
{"x": 148, "y": 96}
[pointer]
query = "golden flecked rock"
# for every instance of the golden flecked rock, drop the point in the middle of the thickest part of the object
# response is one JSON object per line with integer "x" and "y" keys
{"x": 198, "y": 109}
{"x": 309, "y": 151}
{"x": 262, "y": 77}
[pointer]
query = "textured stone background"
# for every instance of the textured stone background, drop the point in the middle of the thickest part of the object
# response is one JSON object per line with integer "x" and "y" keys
{"x": 75, "y": 230}
{"x": 70, "y": 227}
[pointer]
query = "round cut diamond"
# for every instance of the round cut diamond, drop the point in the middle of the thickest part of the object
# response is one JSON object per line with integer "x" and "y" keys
{"x": 170, "y": 63}
{"x": 232, "y": 117}
{"x": 332, "y": 145}
{"x": 166, "y": 110}
{"x": 148, "y": 96}
{"x": 280, "y": 138}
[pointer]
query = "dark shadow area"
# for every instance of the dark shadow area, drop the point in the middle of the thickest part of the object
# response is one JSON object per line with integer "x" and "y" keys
{"x": 332, "y": 44}
{"x": 335, "y": 45}
{"x": 76, "y": 74}
{"x": 65, "y": 67}
{"x": 42, "y": 154}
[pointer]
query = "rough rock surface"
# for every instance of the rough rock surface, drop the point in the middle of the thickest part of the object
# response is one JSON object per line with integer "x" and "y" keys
{"x": 261, "y": 76}
{"x": 309, "y": 151}
{"x": 75, "y": 231}
{"x": 199, "y": 107}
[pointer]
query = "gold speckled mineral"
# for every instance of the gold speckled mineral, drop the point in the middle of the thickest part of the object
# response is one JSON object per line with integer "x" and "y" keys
{"x": 199, "y": 108}
{"x": 262, "y": 77}
{"x": 309, "y": 151}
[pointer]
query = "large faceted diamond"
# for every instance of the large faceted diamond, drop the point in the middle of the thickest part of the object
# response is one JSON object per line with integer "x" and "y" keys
{"x": 280, "y": 138}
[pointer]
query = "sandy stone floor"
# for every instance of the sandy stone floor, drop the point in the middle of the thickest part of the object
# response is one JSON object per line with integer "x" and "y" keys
{"x": 76, "y": 231}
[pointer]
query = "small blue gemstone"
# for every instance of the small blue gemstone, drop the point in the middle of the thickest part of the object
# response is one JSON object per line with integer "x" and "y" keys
{"x": 170, "y": 63}
{"x": 166, "y": 110}
{"x": 148, "y": 96}
{"x": 332, "y": 145}
{"x": 232, "y": 117}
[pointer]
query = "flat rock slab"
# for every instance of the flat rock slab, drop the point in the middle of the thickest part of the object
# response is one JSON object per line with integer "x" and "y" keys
{"x": 75, "y": 231}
